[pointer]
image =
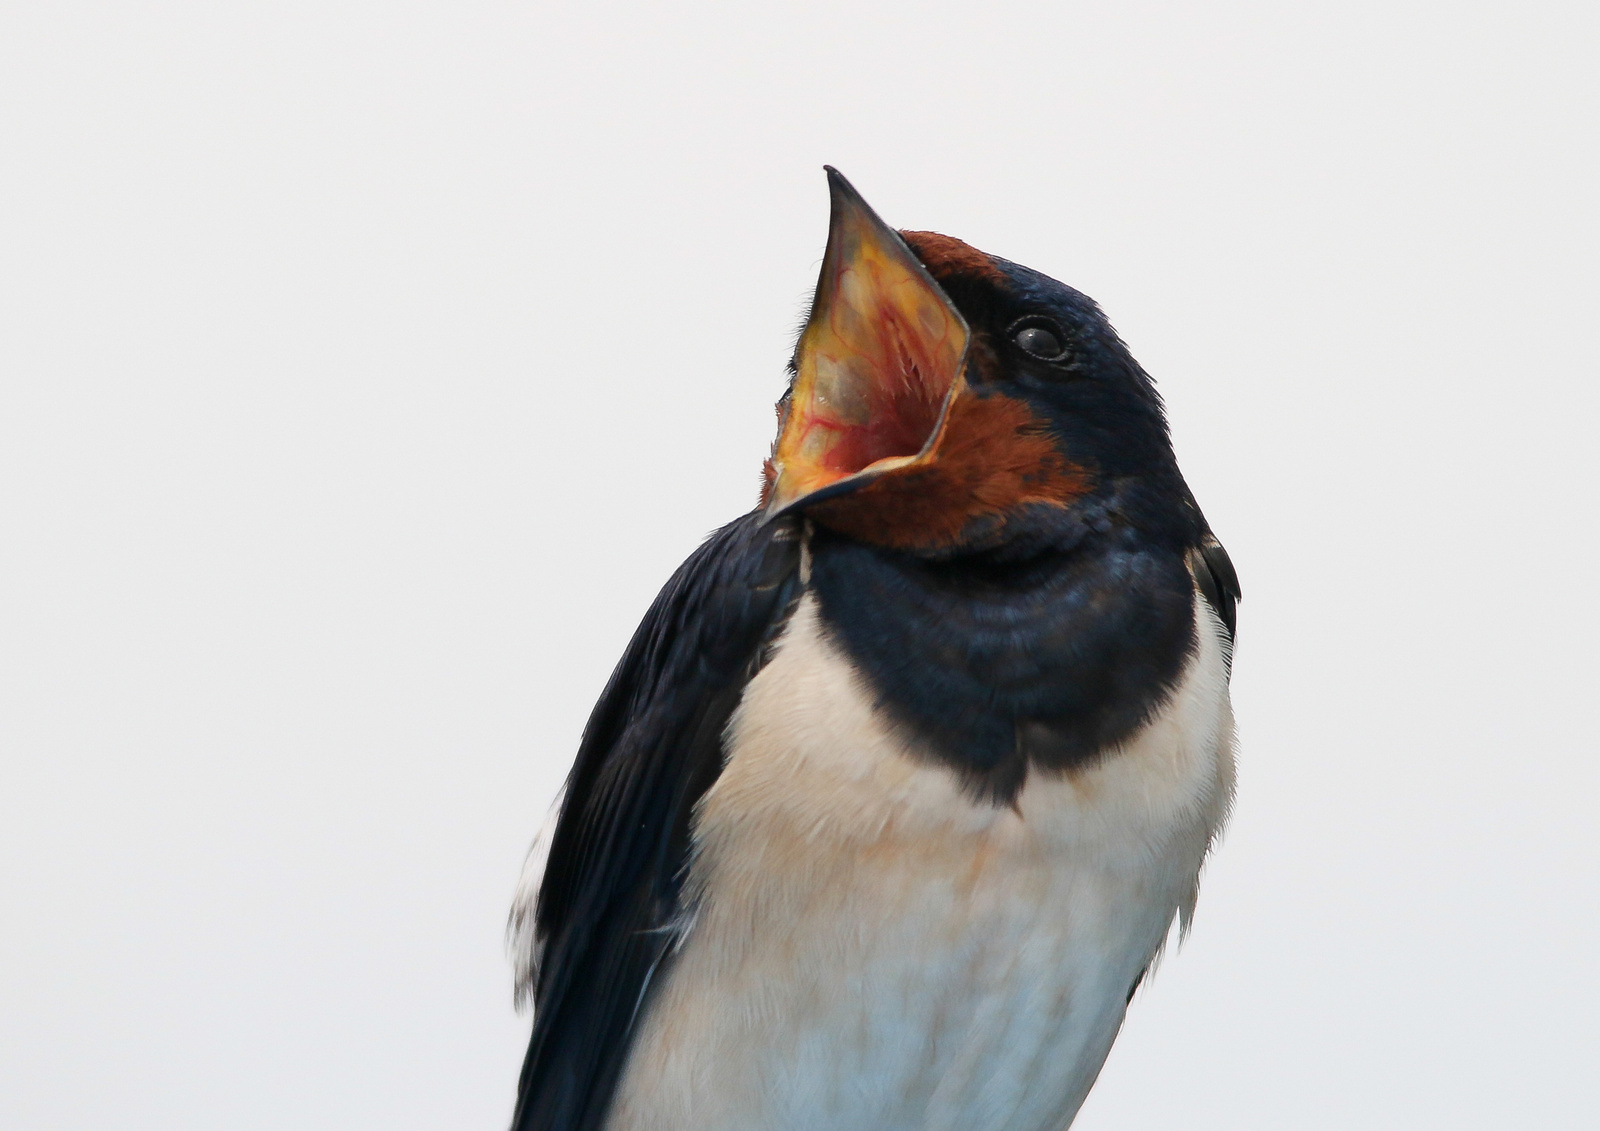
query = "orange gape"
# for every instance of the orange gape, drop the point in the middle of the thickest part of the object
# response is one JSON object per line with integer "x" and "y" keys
{"x": 880, "y": 399}
{"x": 879, "y": 361}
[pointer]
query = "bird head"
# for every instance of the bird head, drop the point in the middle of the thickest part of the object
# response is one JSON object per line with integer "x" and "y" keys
{"x": 942, "y": 399}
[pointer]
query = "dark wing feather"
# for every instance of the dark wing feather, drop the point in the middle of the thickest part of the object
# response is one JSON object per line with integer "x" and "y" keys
{"x": 609, "y": 902}
{"x": 1219, "y": 584}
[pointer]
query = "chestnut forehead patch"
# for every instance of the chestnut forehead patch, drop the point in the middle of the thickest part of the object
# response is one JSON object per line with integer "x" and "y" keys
{"x": 948, "y": 258}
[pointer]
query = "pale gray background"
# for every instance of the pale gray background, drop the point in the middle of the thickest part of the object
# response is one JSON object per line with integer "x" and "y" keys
{"x": 367, "y": 367}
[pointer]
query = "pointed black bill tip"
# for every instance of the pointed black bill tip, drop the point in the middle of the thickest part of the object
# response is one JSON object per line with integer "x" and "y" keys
{"x": 852, "y": 222}
{"x": 848, "y": 208}
{"x": 840, "y": 190}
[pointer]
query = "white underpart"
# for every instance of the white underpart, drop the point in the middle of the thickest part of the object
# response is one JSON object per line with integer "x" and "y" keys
{"x": 871, "y": 950}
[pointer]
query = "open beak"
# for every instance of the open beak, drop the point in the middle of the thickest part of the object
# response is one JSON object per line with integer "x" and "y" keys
{"x": 879, "y": 362}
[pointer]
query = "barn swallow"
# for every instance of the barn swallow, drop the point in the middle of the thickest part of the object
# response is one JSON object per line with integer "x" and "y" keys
{"x": 898, "y": 789}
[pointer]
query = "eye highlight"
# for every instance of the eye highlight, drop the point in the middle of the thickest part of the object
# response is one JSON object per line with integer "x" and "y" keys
{"x": 1039, "y": 337}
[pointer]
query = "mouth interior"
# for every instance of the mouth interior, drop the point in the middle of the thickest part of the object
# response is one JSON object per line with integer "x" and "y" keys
{"x": 890, "y": 416}
{"x": 877, "y": 363}
{"x": 881, "y": 379}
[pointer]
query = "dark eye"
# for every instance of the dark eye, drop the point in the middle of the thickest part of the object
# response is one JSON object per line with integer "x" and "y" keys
{"x": 1040, "y": 338}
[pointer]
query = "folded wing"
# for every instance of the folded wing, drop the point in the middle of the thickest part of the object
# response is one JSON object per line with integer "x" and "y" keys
{"x": 608, "y": 908}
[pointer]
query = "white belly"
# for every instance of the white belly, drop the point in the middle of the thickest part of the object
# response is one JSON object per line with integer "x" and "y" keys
{"x": 873, "y": 951}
